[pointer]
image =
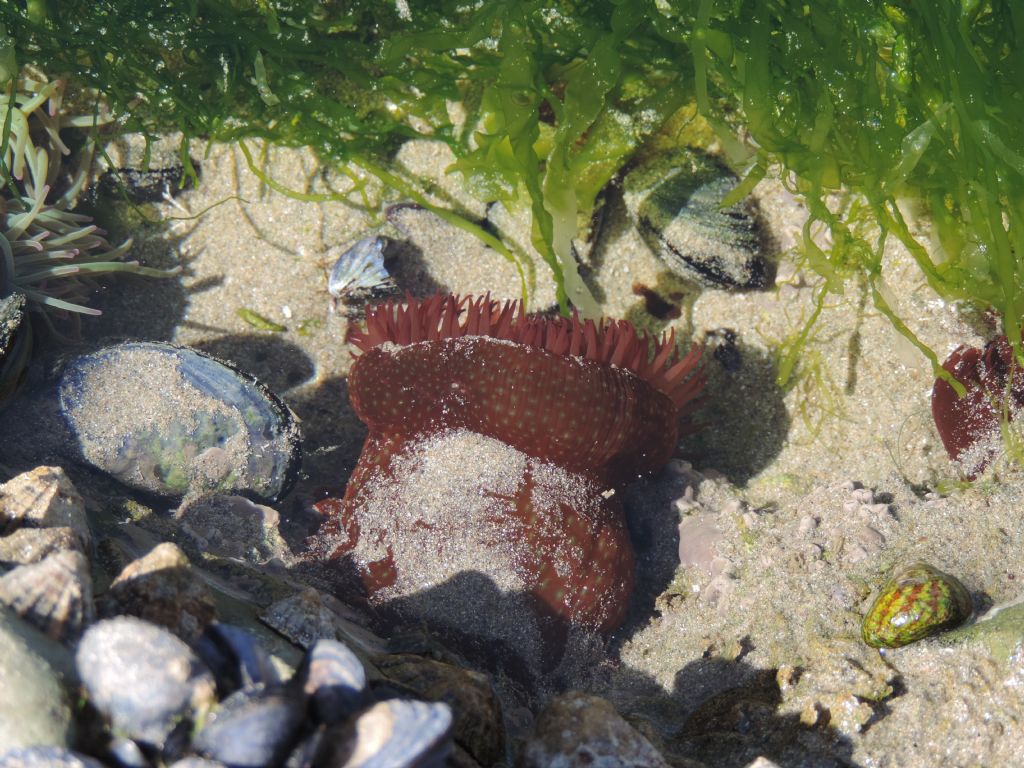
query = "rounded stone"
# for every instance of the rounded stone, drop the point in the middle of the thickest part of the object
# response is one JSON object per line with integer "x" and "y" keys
{"x": 46, "y": 757}
{"x": 142, "y": 677}
{"x": 34, "y": 705}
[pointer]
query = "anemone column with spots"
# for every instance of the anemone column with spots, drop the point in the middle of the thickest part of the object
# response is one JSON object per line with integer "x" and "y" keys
{"x": 496, "y": 443}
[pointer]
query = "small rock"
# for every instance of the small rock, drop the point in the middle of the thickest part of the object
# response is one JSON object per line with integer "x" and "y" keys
{"x": 234, "y": 527}
{"x": 1000, "y": 629}
{"x": 252, "y": 728}
{"x": 142, "y": 677}
{"x": 46, "y": 757}
{"x": 578, "y": 730}
{"x": 162, "y": 588}
{"x": 54, "y": 595}
{"x": 43, "y": 498}
{"x": 12, "y": 312}
{"x": 30, "y": 545}
{"x": 145, "y": 185}
{"x": 34, "y": 706}
{"x": 478, "y": 725}
{"x": 15, "y": 337}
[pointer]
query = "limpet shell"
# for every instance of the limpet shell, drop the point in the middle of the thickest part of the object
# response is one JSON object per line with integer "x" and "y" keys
{"x": 917, "y": 601}
{"x": 54, "y": 594}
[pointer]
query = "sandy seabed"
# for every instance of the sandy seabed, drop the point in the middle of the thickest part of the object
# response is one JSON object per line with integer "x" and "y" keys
{"x": 806, "y": 498}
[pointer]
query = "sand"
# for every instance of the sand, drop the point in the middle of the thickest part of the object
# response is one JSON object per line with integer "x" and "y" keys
{"x": 817, "y": 490}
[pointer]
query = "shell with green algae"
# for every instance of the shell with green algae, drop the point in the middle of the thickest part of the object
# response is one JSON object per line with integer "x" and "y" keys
{"x": 918, "y": 601}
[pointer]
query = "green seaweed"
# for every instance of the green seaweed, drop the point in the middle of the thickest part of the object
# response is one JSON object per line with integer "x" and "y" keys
{"x": 258, "y": 321}
{"x": 887, "y": 100}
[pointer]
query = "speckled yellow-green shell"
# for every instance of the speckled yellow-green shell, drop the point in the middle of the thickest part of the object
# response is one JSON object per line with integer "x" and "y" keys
{"x": 916, "y": 602}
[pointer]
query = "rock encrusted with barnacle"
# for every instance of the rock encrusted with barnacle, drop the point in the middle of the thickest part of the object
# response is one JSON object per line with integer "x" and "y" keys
{"x": 485, "y": 496}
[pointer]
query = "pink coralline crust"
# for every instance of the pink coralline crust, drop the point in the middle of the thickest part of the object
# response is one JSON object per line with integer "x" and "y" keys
{"x": 610, "y": 342}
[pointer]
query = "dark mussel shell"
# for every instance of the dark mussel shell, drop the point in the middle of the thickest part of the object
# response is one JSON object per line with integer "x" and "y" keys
{"x": 167, "y": 420}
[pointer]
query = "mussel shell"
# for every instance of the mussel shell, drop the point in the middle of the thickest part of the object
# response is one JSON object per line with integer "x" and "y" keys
{"x": 675, "y": 201}
{"x": 252, "y": 728}
{"x": 192, "y": 422}
{"x": 478, "y": 725}
{"x": 918, "y": 601}
{"x": 236, "y": 658}
{"x": 46, "y": 757}
{"x": 142, "y": 677}
{"x": 414, "y": 734}
{"x": 334, "y": 679}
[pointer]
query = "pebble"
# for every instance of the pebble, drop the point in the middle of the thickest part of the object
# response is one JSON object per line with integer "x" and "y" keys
{"x": 204, "y": 426}
{"x": 578, "y": 730}
{"x": 699, "y": 536}
{"x": 162, "y": 588}
{"x": 46, "y": 757}
{"x": 43, "y": 497}
{"x": 34, "y": 706}
{"x": 15, "y": 336}
{"x": 54, "y": 594}
{"x": 142, "y": 677}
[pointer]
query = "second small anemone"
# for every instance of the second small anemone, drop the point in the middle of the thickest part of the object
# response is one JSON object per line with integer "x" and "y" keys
{"x": 48, "y": 253}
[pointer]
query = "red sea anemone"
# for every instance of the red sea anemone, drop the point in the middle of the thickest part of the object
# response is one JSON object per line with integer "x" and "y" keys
{"x": 970, "y": 425}
{"x": 497, "y": 442}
